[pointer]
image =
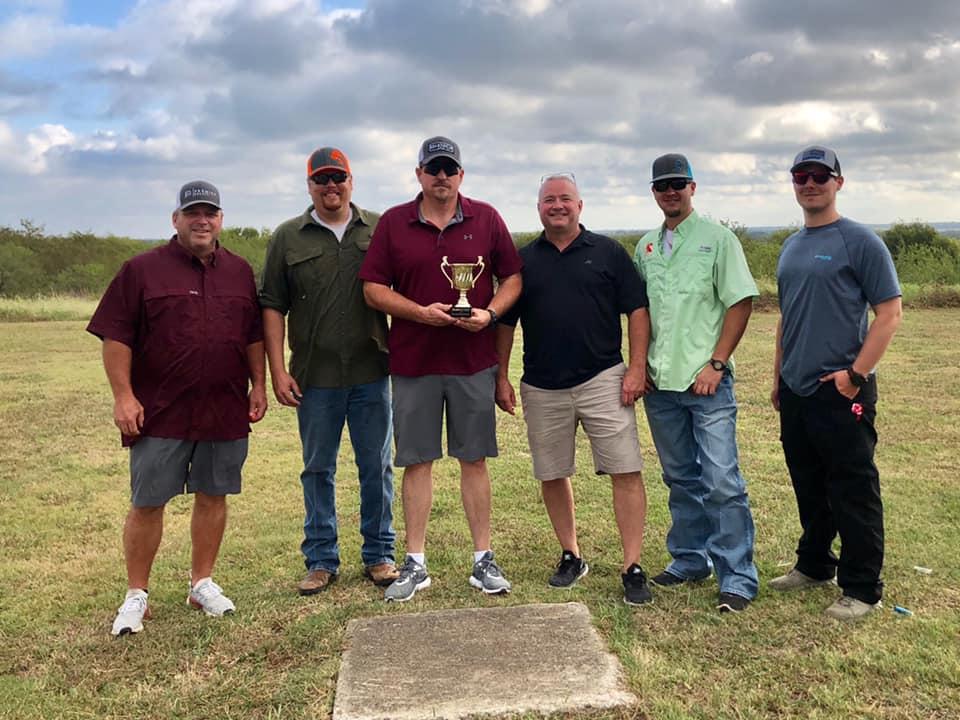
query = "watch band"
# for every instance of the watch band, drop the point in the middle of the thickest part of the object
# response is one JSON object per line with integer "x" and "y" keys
{"x": 718, "y": 365}
{"x": 856, "y": 378}
{"x": 493, "y": 316}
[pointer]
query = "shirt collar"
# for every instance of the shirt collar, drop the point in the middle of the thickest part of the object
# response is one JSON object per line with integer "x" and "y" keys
{"x": 180, "y": 251}
{"x": 356, "y": 215}
{"x": 684, "y": 228}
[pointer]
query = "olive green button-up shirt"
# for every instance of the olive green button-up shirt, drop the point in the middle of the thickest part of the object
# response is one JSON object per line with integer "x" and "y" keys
{"x": 335, "y": 339}
{"x": 689, "y": 295}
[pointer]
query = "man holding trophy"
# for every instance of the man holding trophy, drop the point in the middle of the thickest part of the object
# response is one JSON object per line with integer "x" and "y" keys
{"x": 430, "y": 265}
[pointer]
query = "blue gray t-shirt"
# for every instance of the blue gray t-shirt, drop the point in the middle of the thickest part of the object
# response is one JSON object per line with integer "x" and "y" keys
{"x": 827, "y": 277}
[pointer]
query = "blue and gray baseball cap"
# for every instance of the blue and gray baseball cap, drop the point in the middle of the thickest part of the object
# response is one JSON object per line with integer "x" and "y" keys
{"x": 197, "y": 192}
{"x": 818, "y": 155}
{"x": 671, "y": 165}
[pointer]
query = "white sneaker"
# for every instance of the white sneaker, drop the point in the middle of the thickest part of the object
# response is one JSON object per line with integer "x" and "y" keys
{"x": 130, "y": 615}
{"x": 206, "y": 595}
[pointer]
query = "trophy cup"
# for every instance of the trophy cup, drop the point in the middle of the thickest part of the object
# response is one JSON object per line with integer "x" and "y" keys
{"x": 461, "y": 278}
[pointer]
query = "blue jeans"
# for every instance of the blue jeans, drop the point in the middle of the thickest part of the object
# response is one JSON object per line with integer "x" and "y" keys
{"x": 696, "y": 439}
{"x": 322, "y": 412}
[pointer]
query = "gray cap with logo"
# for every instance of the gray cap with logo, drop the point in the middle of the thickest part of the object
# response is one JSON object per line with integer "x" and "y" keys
{"x": 818, "y": 155}
{"x": 671, "y": 165}
{"x": 197, "y": 192}
{"x": 437, "y": 147}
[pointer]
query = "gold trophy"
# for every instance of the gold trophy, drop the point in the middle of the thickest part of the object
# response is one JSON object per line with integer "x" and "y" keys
{"x": 461, "y": 278}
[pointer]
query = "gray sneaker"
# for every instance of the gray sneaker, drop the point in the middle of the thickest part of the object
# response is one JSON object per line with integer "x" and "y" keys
{"x": 796, "y": 580}
{"x": 848, "y": 608}
{"x": 413, "y": 577}
{"x": 488, "y": 577}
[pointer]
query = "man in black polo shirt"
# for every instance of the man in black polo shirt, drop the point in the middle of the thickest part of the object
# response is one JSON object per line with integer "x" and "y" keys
{"x": 576, "y": 284}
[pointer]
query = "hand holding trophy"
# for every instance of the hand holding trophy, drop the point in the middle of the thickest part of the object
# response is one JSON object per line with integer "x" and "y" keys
{"x": 461, "y": 278}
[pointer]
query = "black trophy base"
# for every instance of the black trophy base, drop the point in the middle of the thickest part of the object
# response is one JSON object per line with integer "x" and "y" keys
{"x": 460, "y": 311}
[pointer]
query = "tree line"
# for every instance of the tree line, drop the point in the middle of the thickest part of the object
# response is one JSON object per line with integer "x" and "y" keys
{"x": 33, "y": 263}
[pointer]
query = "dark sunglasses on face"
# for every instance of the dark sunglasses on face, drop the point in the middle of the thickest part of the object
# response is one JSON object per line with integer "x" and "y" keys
{"x": 820, "y": 178}
{"x": 324, "y": 178}
{"x": 673, "y": 184}
{"x": 448, "y": 166}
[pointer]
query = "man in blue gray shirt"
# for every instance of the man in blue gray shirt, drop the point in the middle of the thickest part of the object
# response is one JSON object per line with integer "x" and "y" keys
{"x": 825, "y": 386}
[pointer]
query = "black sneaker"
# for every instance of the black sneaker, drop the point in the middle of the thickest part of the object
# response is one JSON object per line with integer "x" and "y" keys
{"x": 668, "y": 579}
{"x": 728, "y": 602}
{"x": 635, "y": 588}
{"x": 570, "y": 569}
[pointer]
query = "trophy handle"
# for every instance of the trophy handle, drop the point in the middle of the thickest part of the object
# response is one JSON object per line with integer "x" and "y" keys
{"x": 444, "y": 264}
{"x": 480, "y": 263}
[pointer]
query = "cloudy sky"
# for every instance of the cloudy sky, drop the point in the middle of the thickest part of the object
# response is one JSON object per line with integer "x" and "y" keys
{"x": 107, "y": 106}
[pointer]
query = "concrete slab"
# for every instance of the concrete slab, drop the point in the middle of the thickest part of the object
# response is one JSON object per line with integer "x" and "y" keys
{"x": 450, "y": 664}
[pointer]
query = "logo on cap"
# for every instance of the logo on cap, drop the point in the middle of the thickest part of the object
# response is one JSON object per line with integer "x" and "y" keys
{"x": 813, "y": 154}
{"x": 439, "y": 146}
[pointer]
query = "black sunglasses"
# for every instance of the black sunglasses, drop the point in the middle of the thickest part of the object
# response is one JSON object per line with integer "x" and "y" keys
{"x": 800, "y": 177}
{"x": 324, "y": 178}
{"x": 672, "y": 183}
{"x": 448, "y": 166}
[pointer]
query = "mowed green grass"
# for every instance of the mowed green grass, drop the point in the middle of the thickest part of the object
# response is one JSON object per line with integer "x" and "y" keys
{"x": 64, "y": 494}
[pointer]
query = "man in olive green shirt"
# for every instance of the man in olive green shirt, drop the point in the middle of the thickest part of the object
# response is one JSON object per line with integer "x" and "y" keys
{"x": 338, "y": 367}
{"x": 701, "y": 295}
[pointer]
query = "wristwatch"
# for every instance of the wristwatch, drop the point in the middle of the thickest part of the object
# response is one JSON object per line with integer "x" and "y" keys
{"x": 718, "y": 365}
{"x": 493, "y": 316}
{"x": 856, "y": 378}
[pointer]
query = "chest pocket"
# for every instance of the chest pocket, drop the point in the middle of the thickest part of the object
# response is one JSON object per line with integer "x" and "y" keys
{"x": 696, "y": 269}
{"x": 173, "y": 315}
{"x": 310, "y": 270}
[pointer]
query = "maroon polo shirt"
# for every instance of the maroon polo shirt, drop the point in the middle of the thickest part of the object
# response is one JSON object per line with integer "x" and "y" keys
{"x": 189, "y": 325}
{"x": 405, "y": 254}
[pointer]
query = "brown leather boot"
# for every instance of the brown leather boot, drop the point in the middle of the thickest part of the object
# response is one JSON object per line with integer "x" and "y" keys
{"x": 382, "y": 574}
{"x": 316, "y": 581}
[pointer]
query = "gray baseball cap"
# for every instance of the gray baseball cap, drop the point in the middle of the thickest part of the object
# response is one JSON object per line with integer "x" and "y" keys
{"x": 439, "y": 146}
{"x": 818, "y": 155}
{"x": 671, "y": 165}
{"x": 197, "y": 192}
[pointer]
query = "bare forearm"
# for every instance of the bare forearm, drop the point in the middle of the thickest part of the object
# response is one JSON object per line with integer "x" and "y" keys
{"x": 274, "y": 331}
{"x": 386, "y": 299}
{"x": 638, "y": 335}
{"x": 117, "y": 361}
{"x": 777, "y": 353}
{"x": 734, "y": 325}
{"x": 881, "y": 332}
{"x": 507, "y": 294}
{"x": 257, "y": 364}
{"x": 503, "y": 341}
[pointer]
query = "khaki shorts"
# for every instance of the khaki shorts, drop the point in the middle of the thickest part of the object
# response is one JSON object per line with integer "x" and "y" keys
{"x": 552, "y": 417}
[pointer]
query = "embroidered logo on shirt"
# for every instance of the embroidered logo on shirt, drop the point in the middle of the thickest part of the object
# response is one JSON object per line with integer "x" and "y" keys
{"x": 649, "y": 249}
{"x": 823, "y": 257}
{"x": 194, "y": 292}
{"x": 468, "y": 236}
{"x": 705, "y": 248}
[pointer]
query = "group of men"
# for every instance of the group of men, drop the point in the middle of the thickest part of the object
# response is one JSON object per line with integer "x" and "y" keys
{"x": 185, "y": 336}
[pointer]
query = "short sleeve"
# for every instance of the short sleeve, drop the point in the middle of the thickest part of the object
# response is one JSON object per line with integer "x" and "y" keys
{"x": 117, "y": 316}
{"x": 274, "y": 291}
{"x": 732, "y": 275}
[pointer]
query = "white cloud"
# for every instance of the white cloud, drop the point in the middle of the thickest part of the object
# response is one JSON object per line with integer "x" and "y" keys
{"x": 240, "y": 92}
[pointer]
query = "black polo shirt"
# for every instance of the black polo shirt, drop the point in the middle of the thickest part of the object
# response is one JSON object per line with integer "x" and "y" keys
{"x": 570, "y": 308}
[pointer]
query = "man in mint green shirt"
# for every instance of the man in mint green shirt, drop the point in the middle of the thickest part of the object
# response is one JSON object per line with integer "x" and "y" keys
{"x": 701, "y": 295}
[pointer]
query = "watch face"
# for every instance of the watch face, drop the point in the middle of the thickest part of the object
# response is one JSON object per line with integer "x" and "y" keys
{"x": 718, "y": 365}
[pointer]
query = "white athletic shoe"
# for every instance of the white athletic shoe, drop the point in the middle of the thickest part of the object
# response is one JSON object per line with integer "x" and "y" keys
{"x": 206, "y": 595}
{"x": 130, "y": 615}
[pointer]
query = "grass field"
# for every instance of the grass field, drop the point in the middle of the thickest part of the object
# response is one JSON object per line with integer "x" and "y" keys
{"x": 64, "y": 493}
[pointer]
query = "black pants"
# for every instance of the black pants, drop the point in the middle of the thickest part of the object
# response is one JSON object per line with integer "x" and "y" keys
{"x": 829, "y": 452}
